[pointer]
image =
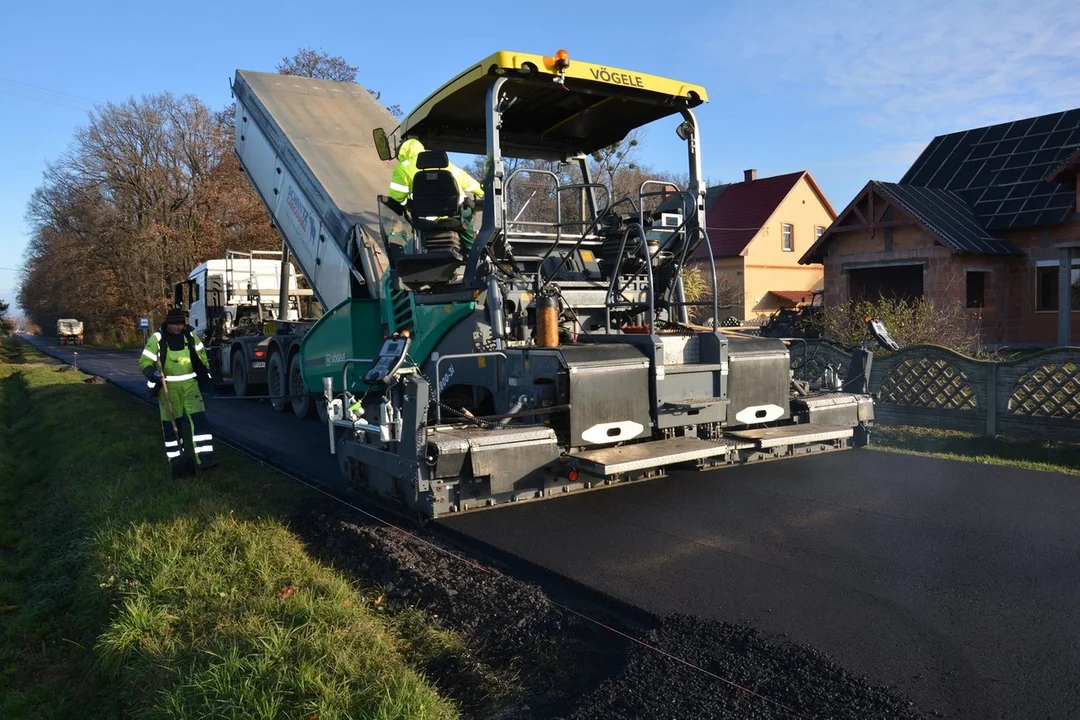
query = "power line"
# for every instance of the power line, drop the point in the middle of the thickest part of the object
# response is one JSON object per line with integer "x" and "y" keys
{"x": 70, "y": 101}
{"x": 37, "y": 93}
{"x": 48, "y": 90}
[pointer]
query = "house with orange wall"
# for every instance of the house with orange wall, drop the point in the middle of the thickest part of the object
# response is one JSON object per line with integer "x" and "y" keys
{"x": 758, "y": 230}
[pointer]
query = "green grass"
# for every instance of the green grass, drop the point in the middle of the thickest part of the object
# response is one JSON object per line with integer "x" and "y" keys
{"x": 18, "y": 351}
{"x": 1028, "y": 454}
{"x": 125, "y": 593}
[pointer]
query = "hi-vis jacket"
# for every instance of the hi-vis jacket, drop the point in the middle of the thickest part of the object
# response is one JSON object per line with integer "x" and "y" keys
{"x": 189, "y": 363}
{"x": 402, "y": 179}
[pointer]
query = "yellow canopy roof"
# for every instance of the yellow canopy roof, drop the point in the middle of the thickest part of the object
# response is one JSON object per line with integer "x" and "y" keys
{"x": 593, "y": 107}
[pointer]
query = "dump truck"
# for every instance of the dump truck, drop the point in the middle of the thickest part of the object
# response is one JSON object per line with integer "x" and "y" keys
{"x": 249, "y": 327}
{"x": 69, "y": 331}
{"x": 547, "y": 358}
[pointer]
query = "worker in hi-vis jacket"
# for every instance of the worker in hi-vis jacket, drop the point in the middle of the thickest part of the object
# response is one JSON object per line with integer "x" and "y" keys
{"x": 401, "y": 183}
{"x": 175, "y": 350}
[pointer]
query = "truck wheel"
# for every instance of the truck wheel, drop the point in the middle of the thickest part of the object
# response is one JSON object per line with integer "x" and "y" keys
{"x": 239, "y": 376}
{"x": 301, "y": 400}
{"x": 276, "y": 383}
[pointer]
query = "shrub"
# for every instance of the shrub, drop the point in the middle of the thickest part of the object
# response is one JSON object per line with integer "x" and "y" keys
{"x": 910, "y": 322}
{"x": 697, "y": 287}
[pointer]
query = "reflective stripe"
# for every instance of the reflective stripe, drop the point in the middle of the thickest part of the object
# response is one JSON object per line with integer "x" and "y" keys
{"x": 199, "y": 345}
{"x": 204, "y": 449}
{"x": 150, "y": 385}
{"x": 172, "y": 443}
{"x": 181, "y": 378}
{"x": 172, "y": 455}
{"x": 156, "y": 336}
{"x": 399, "y": 187}
{"x": 149, "y": 354}
{"x": 203, "y": 438}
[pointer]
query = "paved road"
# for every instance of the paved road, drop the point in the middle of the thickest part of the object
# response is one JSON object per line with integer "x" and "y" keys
{"x": 955, "y": 582}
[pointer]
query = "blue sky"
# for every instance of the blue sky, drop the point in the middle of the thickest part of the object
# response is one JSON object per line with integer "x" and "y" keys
{"x": 850, "y": 91}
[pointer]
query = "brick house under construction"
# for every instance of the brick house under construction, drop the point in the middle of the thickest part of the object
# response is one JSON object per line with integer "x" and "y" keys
{"x": 986, "y": 217}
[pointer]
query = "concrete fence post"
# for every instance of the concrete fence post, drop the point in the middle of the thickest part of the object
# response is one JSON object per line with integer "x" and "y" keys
{"x": 991, "y": 399}
{"x": 1066, "y": 252}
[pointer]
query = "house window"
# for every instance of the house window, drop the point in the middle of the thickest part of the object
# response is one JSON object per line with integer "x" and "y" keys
{"x": 976, "y": 289}
{"x": 789, "y": 237}
{"x": 818, "y": 231}
{"x": 1046, "y": 288}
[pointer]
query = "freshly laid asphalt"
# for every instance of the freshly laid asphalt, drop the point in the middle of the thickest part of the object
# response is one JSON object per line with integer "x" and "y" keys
{"x": 956, "y": 583}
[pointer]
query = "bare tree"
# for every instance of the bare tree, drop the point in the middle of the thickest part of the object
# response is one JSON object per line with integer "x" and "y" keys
{"x": 147, "y": 190}
{"x": 319, "y": 64}
{"x": 609, "y": 165}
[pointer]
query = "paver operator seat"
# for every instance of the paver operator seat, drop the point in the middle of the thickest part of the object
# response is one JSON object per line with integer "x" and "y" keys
{"x": 436, "y": 213}
{"x": 436, "y": 203}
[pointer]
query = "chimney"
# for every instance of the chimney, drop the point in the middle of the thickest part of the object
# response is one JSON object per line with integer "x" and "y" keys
{"x": 750, "y": 175}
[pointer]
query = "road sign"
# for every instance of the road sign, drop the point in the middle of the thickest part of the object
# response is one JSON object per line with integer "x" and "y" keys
{"x": 144, "y": 323}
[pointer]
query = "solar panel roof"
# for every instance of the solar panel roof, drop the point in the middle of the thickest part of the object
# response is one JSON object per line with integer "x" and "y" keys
{"x": 946, "y": 214}
{"x": 1001, "y": 170}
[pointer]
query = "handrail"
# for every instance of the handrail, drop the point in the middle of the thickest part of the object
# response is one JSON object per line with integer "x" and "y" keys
{"x": 688, "y": 202}
{"x": 616, "y": 290}
{"x": 558, "y": 197}
{"x": 558, "y": 224}
{"x": 615, "y": 277}
{"x": 712, "y": 273}
{"x": 640, "y": 220}
{"x": 649, "y": 256}
{"x": 581, "y": 240}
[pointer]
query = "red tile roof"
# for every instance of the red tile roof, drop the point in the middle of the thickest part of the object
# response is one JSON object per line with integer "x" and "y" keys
{"x": 743, "y": 208}
{"x": 795, "y": 296}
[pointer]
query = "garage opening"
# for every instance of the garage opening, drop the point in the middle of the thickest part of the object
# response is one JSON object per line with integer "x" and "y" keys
{"x": 894, "y": 282}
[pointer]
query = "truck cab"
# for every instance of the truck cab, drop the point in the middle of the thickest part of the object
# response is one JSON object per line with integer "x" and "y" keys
{"x": 233, "y": 304}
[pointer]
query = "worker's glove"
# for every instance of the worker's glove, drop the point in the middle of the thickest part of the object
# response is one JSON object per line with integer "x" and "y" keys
{"x": 152, "y": 375}
{"x": 395, "y": 206}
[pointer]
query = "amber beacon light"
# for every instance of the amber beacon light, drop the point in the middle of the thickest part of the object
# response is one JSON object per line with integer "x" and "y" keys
{"x": 560, "y": 61}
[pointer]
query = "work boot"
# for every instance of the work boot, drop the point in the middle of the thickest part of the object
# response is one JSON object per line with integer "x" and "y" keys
{"x": 177, "y": 466}
{"x": 207, "y": 461}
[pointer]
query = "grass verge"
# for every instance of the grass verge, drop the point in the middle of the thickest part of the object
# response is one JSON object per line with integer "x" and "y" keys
{"x": 1028, "y": 454}
{"x": 124, "y": 593}
{"x": 15, "y": 350}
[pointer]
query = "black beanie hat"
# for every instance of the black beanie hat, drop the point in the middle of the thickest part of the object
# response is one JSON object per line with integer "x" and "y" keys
{"x": 176, "y": 315}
